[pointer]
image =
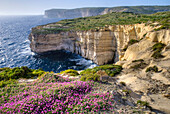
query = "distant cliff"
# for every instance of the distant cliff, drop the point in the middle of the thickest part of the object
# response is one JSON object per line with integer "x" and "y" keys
{"x": 85, "y": 12}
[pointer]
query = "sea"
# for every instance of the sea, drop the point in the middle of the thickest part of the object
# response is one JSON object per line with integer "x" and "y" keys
{"x": 15, "y": 47}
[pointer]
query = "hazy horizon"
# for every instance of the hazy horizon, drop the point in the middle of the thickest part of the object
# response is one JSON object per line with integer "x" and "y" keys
{"x": 23, "y": 7}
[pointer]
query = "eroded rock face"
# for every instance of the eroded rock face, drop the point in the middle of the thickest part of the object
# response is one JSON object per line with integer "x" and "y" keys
{"x": 97, "y": 46}
{"x": 154, "y": 87}
{"x": 143, "y": 49}
{"x": 100, "y": 46}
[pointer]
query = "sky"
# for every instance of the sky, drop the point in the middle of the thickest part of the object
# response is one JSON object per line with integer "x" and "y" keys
{"x": 37, "y": 7}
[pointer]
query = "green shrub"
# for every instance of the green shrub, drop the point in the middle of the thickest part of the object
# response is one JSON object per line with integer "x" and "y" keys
{"x": 154, "y": 68}
{"x": 90, "y": 77}
{"x": 123, "y": 83}
{"x": 111, "y": 70}
{"x": 127, "y": 91}
{"x": 71, "y": 72}
{"x": 38, "y": 72}
{"x": 157, "y": 48}
{"x": 8, "y": 75}
{"x": 157, "y": 55}
{"x": 87, "y": 71}
{"x": 83, "y": 78}
{"x": 93, "y": 74}
{"x": 2, "y": 69}
{"x": 89, "y": 74}
{"x": 140, "y": 65}
{"x": 143, "y": 103}
{"x": 139, "y": 60}
{"x": 4, "y": 83}
{"x": 132, "y": 41}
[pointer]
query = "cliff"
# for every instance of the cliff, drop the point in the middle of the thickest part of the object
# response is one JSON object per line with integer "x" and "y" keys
{"x": 100, "y": 38}
{"x": 99, "y": 46}
{"x": 86, "y": 12}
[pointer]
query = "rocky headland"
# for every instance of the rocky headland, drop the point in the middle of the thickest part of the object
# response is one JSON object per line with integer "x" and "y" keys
{"x": 142, "y": 49}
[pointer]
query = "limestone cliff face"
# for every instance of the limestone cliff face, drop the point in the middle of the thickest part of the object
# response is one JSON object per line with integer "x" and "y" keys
{"x": 143, "y": 50}
{"x": 99, "y": 46}
{"x": 91, "y": 45}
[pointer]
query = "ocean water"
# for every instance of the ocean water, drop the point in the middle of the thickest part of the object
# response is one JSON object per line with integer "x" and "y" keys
{"x": 15, "y": 50}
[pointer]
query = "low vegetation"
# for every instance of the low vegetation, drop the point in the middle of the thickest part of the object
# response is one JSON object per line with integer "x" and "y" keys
{"x": 10, "y": 75}
{"x": 95, "y": 73}
{"x": 70, "y": 72}
{"x": 154, "y": 69}
{"x": 139, "y": 60}
{"x": 123, "y": 83}
{"x": 138, "y": 64}
{"x": 157, "y": 48}
{"x": 132, "y": 41}
{"x": 126, "y": 91}
{"x": 57, "y": 95}
{"x": 143, "y": 103}
{"x": 98, "y": 22}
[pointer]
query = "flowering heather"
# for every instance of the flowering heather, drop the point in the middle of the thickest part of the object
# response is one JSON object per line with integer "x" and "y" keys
{"x": 53, "y": 94}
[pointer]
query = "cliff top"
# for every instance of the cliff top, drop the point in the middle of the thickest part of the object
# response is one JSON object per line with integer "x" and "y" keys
{"x": 98, "y": 22}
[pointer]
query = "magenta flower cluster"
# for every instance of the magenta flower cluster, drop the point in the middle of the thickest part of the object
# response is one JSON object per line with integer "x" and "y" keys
{"x": 61, "y": 96}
